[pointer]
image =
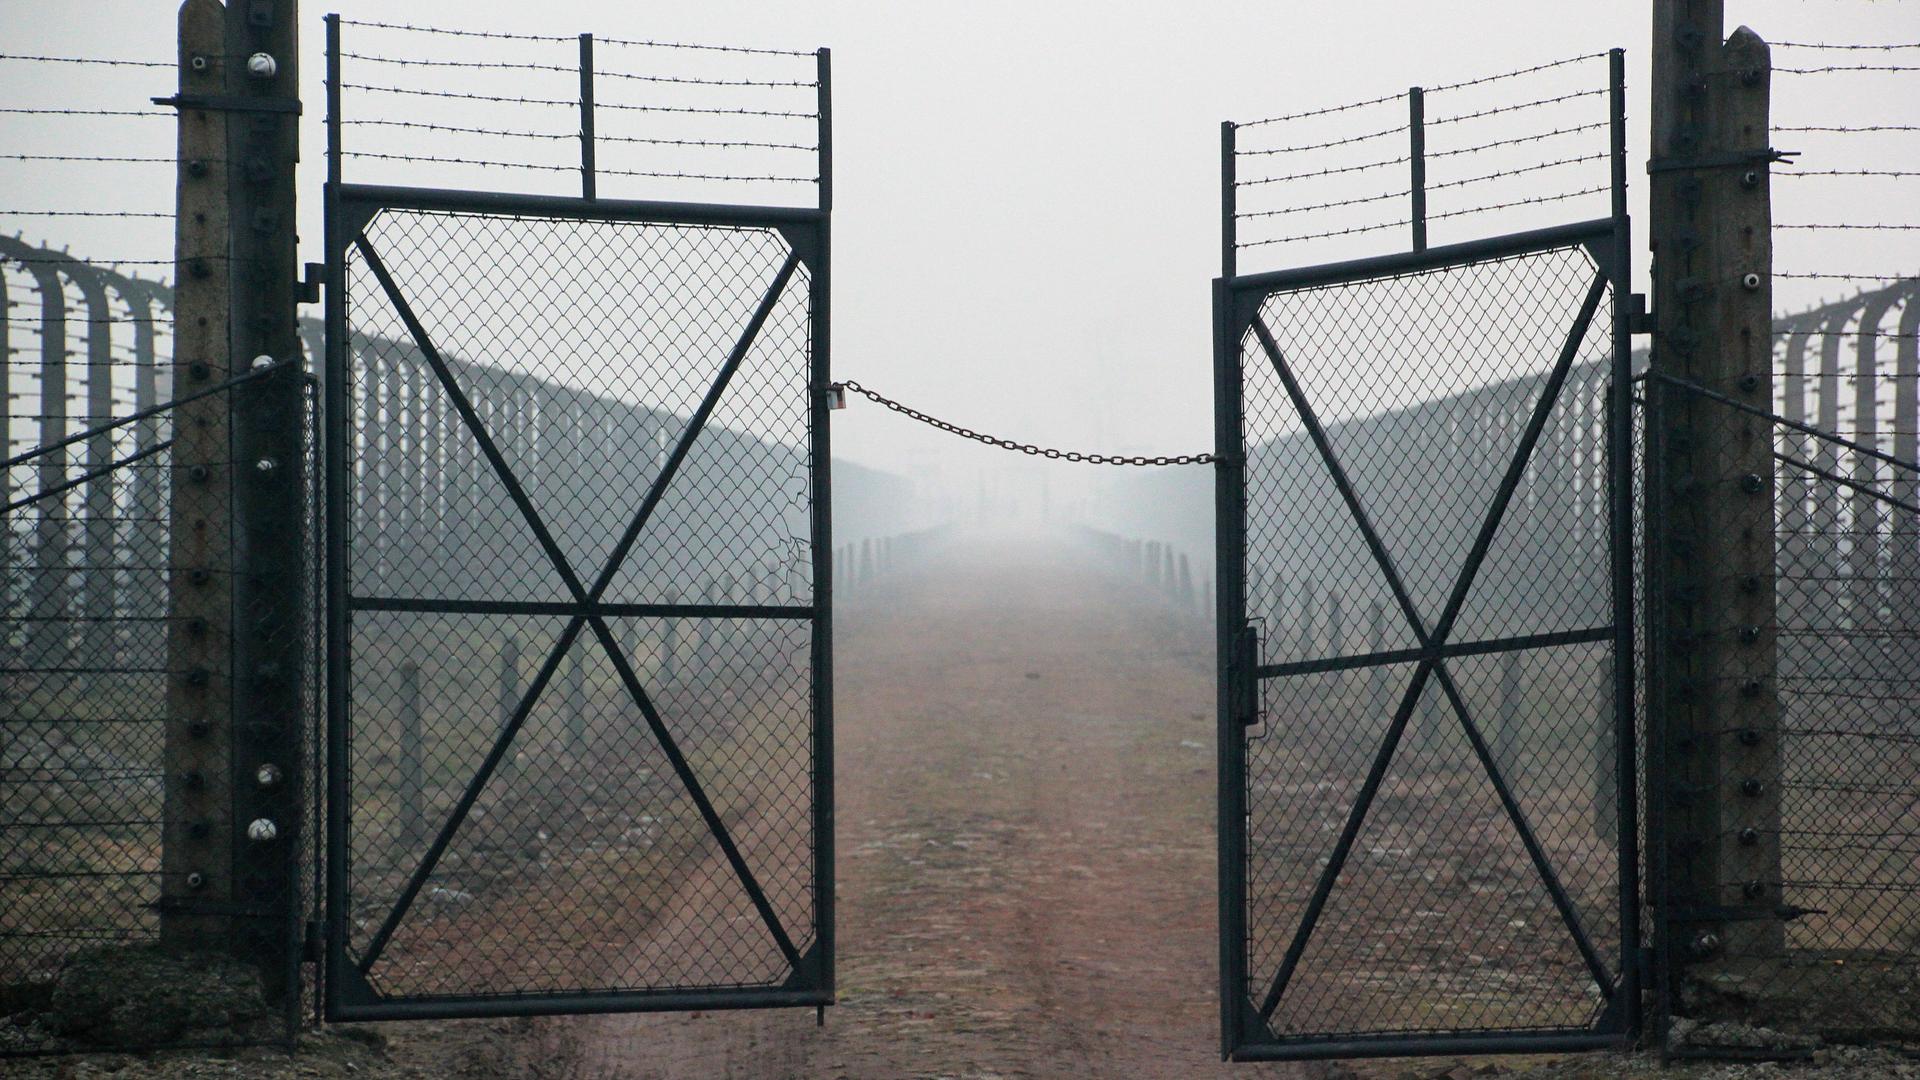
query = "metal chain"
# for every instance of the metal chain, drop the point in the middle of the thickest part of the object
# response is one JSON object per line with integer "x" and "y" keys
{"x": 1025, "y": 448}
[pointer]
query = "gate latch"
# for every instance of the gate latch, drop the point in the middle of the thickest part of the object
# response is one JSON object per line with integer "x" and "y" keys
{"x": 1245, "y": 675}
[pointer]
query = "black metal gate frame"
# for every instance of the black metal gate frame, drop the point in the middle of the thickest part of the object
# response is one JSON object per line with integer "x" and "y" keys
{"x": 348, "y": 996}
{"x": 349, "y": 209}
{"x": 1237, "y": 299}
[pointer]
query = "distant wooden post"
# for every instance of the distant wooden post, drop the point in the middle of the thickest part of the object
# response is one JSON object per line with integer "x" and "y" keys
{"x": 412, "y": 764}
{"x": 1507, "y": 735}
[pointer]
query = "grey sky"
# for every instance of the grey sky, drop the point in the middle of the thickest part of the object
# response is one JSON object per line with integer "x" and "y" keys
{"x": 1026, "y": 215}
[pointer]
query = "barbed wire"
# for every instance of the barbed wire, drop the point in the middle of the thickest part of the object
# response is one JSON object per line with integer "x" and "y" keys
{"x": 1534, "y": 104}
{"x": 1850, "y": 46}
{"x": 1382, "y": 133}
{"x": 434, "y": 160}
{"x": 1354, "y": 230}
{"x": 1402, "y": 193}
{"x": 1350, "y": 106}
{"x": 1517, "y": 140}
{"x": 1830, "y": 128}
{"x": 88, "y": 213}
{"x": 1844, "y": 225}
{"x": 1322, "y": 172}
{"x": 1844, "y": 172}
{"x": 1833, "y": 68}
{"x": 503, "y": 36}
{"x": 573, "y": 135}
{"x": 1520, "y": 202}
{"x": 1583, "y": 58}
{"x": 571, "y": 103}
{"x": 1517, "y": 171}
{"x": 1025, "y": 448}
{"x": 91, "y": 158}
{"x": 88, "y": 60}
{"x": 21, "y": 110}
{"x": 572, "y": 69}
{"x": 1822, "y": 276}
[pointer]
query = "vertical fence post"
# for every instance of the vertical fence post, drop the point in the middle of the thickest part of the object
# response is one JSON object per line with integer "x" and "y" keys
{"x": 1714, "y": 754}
{"x": 196, "y": 843}
{"x": 1417, "y": 158}
{"x": 270, "y": 422}
{"x": 588, "y": 180}
{"x": 412, "y": 765}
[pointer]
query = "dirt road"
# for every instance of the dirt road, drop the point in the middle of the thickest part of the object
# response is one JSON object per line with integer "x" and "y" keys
{"x": 1026, "y": 839}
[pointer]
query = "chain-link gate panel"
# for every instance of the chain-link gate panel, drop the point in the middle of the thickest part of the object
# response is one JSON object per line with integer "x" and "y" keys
{"x": 1423, "y": 807}
{"x": 579, "y": 692}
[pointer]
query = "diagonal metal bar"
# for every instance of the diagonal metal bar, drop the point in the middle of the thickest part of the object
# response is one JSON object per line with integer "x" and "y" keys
{"x": 1343, "y": 846}
{"x": 1383, "y": 758}
{"x": 698, "y": 794}
{"x": 696, "y": 423}
{"x": 1522, "y": 455}
{"x": 1562, "y": 903}
{"x": 1310, "y": 420}
{"x": 471, "y": 418}
{"x": 495, "y": 754}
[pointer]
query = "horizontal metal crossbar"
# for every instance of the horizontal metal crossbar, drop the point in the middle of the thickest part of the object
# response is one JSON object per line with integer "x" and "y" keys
{"x": 1433, "y": 258}
{"x": 562, "y": 206}
{"x": 1435, "y": 652}
{"x": 439, "y": 606}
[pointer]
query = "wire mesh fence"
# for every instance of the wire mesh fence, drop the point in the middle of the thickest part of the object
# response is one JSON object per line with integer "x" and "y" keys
{"x": 1432, "y": 847}
{"x": 619, "y": 575}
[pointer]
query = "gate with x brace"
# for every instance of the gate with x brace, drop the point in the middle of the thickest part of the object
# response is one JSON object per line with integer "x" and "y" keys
{"x": 1426, "y": 640}
{"x": 577, "y": 600}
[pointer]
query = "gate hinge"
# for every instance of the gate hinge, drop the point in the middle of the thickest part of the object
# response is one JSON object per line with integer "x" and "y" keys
{"x": 231, "y": 103}
{"x": 313, "y": 944}
{"x": 1730, "y": 159}
{"x": 1783, "y": 913}
{"x": 233, "y": 909}
{"x": 310, "y": 282}
{"x": 1639, "y": 319}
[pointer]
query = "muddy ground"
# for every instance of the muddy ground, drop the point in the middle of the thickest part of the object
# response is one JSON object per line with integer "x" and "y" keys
{"x": 1026, "y": 870}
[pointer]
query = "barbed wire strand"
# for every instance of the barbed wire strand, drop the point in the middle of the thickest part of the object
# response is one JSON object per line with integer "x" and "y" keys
{"x": 1321, "y": 172}
{"x": 1583, "y": 58}
{"x": 571, "y": 69}
{"x": 503, "y": 36}
{"x": 101, "y": 61}
{"x": 1849, "y": 46}
{"x": 571, "y": 103}
{"x": 422, "y": 125}
{"x": 1534, "y": 104}
{"x": 1381, "y": 134}
{"x": 1025, "y": 448}
{"x": 428, "y": 159}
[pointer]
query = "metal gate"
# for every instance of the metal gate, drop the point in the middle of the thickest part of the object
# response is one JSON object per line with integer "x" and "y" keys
{"x": 578, "y": 559}
{"x": 1427, "y": 834}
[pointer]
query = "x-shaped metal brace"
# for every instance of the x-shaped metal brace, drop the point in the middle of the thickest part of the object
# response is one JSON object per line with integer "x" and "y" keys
{"x": 585, "y": 613}
{"x": 1432, "y": 650}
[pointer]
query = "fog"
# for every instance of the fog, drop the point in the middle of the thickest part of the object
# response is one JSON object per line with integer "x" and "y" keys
{"x": 1026, "y": 213}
